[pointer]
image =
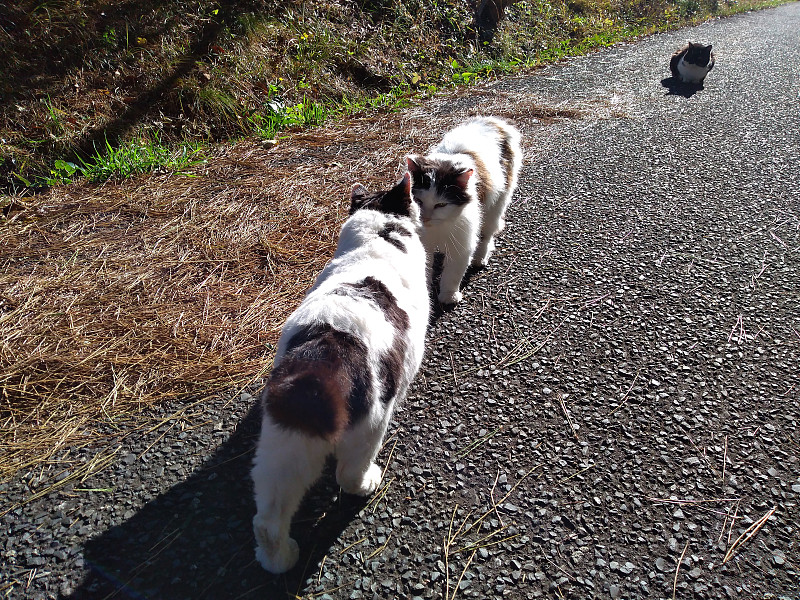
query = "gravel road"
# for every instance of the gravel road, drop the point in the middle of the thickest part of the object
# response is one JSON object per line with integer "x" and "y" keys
{"x": 612, "y": 412}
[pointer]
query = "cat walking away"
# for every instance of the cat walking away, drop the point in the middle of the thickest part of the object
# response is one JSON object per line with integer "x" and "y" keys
{"x": 463, "y": 186}
{"x": 692, "y": 63}
{"x": 345, "y": 357}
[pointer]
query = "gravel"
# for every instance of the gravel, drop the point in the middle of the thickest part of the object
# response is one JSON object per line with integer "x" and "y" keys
{"x": 618, "y": 390}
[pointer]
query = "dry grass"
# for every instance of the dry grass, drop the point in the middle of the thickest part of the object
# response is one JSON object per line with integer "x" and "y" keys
{"x": 116, "y": 297}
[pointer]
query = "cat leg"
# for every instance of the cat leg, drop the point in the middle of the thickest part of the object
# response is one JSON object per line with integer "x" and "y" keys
{"x": 453, "y": 270}
{"x": 285, "y": 466}
{"x": 484, "y": 251}
{"x": 493, "y": 223}
{"x": 356, "y": 470}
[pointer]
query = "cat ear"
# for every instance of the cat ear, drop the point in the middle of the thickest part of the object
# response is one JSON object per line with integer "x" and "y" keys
{"x": 462, "y": 179}
{"x": 405, "y": 184}
{"x": 709, "y": 46}
{"x": 358, "y": 195}
{"x": 358, "y": 190}
{"x": 412, "y": 165}
{"x": 398, "y": 200}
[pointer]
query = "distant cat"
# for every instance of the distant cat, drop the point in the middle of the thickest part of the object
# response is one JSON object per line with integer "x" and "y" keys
{"x": 345, "y": 357}
{"x": 463, "y": 186}
{"x": 692, "y": 63}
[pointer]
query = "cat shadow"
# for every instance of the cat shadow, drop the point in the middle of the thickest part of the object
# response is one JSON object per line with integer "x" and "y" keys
{"x": 195, "y": 540}
{"x": 437, "y": 308}
{"x": 676, "y": 87}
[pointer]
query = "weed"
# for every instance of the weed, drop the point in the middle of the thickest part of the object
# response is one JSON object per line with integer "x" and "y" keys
{"x": 142, "y": 156}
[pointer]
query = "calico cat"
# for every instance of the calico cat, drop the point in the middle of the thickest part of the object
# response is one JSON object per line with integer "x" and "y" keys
{"x": 463, "y": 186}
{"x": 692, "y": 63}
{"x": 345, "y": 357}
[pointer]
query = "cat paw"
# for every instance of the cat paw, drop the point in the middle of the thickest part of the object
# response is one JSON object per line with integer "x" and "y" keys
{"x": 283, "y": 558}
{"x": 480, "y": 262}
{"x": 450, "y": 297}
{"x": 366, "y": 485}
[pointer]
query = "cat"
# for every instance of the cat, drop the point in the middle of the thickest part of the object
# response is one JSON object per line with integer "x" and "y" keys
{"x": 463, "y": 186}
{"x": 345, "y": 357}
{"x": 692, "y": 63}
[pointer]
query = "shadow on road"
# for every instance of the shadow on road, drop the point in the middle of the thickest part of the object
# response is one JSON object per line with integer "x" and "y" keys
{"x": 675, "y": 87}
{"x": 438, "y": 309}
{"x": 195, "y": 541}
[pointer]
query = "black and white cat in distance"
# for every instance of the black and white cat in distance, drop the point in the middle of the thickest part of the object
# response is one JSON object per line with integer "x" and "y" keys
{"x": 692, "y": 63}
{"x": 463, "y": 186}
{"x": 345, "y": 357}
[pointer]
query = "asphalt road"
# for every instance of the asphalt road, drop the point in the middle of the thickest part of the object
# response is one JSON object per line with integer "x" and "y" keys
{"x": 617, "y": 392}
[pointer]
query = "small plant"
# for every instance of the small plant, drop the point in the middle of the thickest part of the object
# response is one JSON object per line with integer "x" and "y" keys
{"x": 141, "y": 156}
{"x": 110, "y": 37}
{"x": 690, "y": 7}
{"x": 277, "y": 117}
{"x": 55, "y": 124}
{"x": 62, "y": 172}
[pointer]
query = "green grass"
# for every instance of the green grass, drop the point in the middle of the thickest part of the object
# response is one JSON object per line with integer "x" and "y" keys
{"x": 141, "y": 156}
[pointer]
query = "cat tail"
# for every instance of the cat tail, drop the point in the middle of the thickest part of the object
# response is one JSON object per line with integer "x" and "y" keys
{"x": 309, "y": 396}
{"x": 673, "y": 63}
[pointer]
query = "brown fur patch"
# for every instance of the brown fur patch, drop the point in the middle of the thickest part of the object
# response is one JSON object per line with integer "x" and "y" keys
{"x": 391, "y": 367}
{"x": 321, "y": 386}
{"x": 375, "y": 291}
{"x": 484, "y": 180}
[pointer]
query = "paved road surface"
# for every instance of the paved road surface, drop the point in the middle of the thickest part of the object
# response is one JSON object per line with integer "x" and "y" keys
{"x": 617, "y": 391}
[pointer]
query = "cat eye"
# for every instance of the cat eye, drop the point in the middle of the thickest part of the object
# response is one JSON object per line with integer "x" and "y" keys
{"x": 440, "y": 205}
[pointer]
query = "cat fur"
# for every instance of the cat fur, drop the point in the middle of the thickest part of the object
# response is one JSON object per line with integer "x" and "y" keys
{"x": 345, "y": 356}
{"x": 692, "y": 63}
{"x": 463, "y": 186}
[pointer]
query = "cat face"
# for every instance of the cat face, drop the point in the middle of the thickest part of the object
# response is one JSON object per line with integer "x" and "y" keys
{"x": 698, "y": 54}
{"x": 439, "y": 188}
{"x": 396, "y": 201}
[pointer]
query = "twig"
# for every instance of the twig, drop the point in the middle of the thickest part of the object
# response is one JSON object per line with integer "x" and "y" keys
{"x": 503, "y": 499}
{"x": 321, "y": 565}
{"x": 494, "y": 543}
{"x": 560, "y": 481}
{"x": 386, "y": 465}
{"x": 379, "y": 550}
{"x": 447, "y": 542}
{"x": 356, "y": 543}
{"x": 724, "y": 459}
{"x": 466, "y": 566}
{"x": 707, "y": 500}
{"x": 677, "y": 569}
{"x": 453, "y": 367}
{"x": 491, "y": 497}
{"x": 748, "y": 533}
{"x": 378, "y": 497}
{"x": 478, "y": 442}
{"x": 625, "y": 397}
{"x": 566, "y": 414}
{"x": 733, "y": 520}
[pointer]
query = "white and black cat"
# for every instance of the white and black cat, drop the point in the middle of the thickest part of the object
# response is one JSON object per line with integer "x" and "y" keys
{"x": 463, "y": 186}
{"x": 345, "y": 357}
{"x": 692, "y": 63}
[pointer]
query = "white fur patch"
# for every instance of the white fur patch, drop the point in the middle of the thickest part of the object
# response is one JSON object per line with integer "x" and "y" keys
{"x": 690, "y": 73}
